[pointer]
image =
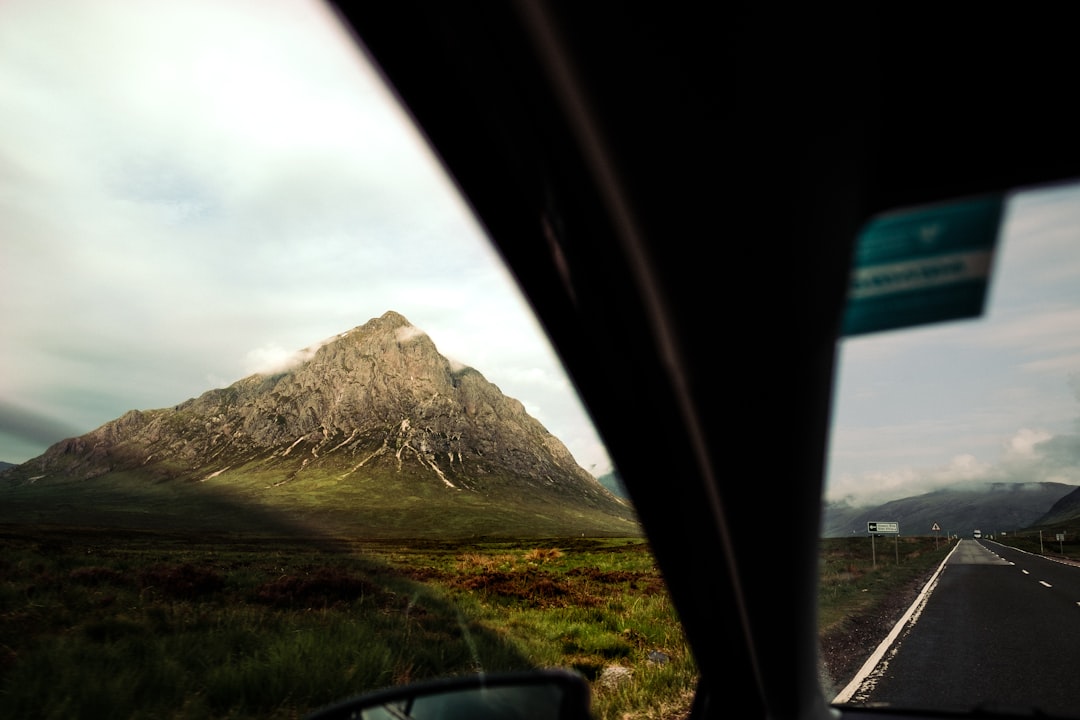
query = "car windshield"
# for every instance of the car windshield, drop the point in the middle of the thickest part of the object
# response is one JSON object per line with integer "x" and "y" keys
{"x": 950, "y": 554}
{"x": 276, "y": 425}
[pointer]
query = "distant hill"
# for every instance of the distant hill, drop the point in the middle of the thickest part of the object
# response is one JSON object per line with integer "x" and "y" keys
{"x": 5, "y": 465}
{"x": 991, "y": 507}
{"x": 1066, "y": 509}
{"x": 614, "y": 484}
{"x": 371, "y": 433}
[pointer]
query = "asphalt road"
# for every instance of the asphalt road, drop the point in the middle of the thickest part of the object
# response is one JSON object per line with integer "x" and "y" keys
{"x": 999, "y": 630}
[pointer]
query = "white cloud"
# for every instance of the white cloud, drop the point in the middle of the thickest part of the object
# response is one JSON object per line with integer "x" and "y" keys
{"x": 1023, "y": 443}
{"x": 408, "y": 333}
{"x": 273, "y": 358}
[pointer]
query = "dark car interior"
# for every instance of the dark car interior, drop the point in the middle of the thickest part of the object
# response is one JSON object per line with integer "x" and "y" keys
{"x": 677, "y": 189}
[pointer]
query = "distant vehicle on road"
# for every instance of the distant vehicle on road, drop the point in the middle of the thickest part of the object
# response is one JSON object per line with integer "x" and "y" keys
{"x": 978, "y": 534}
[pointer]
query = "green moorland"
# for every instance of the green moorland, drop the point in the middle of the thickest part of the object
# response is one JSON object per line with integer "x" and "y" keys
{"x": 139, "y": 624}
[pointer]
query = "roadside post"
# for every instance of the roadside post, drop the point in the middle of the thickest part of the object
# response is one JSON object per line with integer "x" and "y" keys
{"x": 1061, "y": 542}
{"x": 873, "y": 528}
{"x": 936, "y": 529}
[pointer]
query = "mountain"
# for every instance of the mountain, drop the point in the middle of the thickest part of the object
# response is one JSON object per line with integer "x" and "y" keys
{"x": 990, "y": 507}
{"x": 614, "y": 484}
{"x": 371, "y": 432}
{"x": 1066, "y": 509}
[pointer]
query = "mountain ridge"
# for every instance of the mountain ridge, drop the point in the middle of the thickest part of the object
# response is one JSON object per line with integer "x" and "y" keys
{"x": 991, "y": 507}
{"x": 375, "y": 403}
{"x": 1066, "y": 509}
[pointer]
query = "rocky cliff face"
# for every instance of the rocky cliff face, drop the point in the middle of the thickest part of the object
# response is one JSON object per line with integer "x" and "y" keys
{"x": 378, "y": 400}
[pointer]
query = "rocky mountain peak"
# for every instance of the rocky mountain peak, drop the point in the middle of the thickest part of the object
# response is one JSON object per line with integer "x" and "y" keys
{"x": 377, "y": 401}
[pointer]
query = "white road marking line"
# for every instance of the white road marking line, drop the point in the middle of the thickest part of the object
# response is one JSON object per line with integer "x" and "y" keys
{"x": 1025, "y": 572}
{"x": 1043, "y": 582}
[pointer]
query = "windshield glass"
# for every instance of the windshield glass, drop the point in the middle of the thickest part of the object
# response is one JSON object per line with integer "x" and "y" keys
{"x": 276, "y": 425}
{"x": 950, "y": 554}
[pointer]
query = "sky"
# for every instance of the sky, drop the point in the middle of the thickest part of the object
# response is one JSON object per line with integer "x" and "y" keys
{"x": 191, "y": 192}
{"x": 995, "y": 399}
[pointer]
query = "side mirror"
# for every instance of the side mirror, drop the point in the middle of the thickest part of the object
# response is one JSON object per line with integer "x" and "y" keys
{"x": 537, "y": 695}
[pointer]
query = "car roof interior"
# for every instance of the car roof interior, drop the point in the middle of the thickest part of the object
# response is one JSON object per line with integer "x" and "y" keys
{"x": 677, "y": 189}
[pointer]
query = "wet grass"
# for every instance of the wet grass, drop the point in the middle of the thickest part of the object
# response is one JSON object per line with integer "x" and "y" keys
{"x": 138, "y": 624}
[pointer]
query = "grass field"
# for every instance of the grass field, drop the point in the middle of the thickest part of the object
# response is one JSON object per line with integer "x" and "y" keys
{"x": 139, "y": 624}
